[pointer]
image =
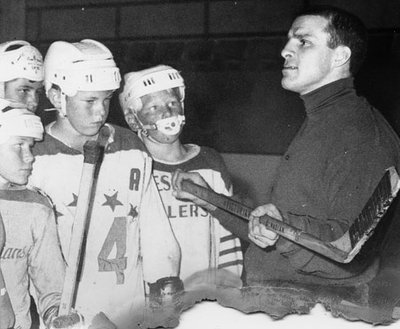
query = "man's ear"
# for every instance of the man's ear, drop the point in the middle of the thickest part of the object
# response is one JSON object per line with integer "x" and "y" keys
{"x": 342, "y": 56}
{"x": 54, "y": 96}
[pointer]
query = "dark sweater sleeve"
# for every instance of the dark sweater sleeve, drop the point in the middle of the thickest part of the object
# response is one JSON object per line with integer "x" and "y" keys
{"x": 350, "y": 180}
{"x": 232, "y": 223}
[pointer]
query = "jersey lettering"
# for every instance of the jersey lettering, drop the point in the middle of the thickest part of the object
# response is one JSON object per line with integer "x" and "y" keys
{"x": 163, "y": 182}
{"x": 13, "y": 253}
{"x": 185, "y": 211}
{"x": 116, "y": 236}
{"x": 134, "y": 179}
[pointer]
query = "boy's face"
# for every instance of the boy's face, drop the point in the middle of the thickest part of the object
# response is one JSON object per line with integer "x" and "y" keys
{"x": 308, "y": 59}
{"x": 16, "y": 161}
{"x": 24, "y": 91}
{"x": 87, "y": 111}
{"x": 160, "y": 105}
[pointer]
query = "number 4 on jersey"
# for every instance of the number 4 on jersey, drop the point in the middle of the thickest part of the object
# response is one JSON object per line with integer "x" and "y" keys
{"x": 116, "y": 236}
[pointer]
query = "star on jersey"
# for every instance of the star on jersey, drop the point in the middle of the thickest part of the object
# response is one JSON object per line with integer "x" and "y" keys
{"x": 112, "y": 201}
{"x": 74, "y": 201}
{"x": 132, "y": 213}
{"x": 58, "y": 214}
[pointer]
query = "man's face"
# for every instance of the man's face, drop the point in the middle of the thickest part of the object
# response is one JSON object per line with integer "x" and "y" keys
{"x": 17, "y": 159}
{"x": 24, "y": 91}
{"x": 160, "y": 105}
{"x": 87, "y": 111}
{"x": 308, "y": 59}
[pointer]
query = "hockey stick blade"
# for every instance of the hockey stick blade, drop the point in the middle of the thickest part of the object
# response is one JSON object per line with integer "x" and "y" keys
{"x": 342, "y": 250}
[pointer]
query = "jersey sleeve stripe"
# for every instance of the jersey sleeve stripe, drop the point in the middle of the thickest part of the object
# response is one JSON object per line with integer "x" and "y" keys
{"x": 227, "y": 238}
{"x": 232, "y": 263}
{"x": 230, "y": 251}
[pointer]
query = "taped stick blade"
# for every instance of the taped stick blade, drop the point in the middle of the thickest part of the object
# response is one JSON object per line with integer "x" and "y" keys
{"x": 374, "y": 210}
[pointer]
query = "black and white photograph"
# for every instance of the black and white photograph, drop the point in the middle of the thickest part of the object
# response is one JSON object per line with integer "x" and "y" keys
{"x": 199, "y": 164}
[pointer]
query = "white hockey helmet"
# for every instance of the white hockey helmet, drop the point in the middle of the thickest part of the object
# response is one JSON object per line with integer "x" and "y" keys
{"x": 87, "y": 65}
{"x": 16, "y": 120}
{"x": 18, "y": 59}
{"x": 141, "y": 83}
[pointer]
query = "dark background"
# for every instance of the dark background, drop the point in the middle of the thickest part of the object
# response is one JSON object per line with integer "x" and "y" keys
{"x": 227, "y": 51}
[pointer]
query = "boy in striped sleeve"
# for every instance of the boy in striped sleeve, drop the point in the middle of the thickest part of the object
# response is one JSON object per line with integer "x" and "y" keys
{"x": 152, "y": 101}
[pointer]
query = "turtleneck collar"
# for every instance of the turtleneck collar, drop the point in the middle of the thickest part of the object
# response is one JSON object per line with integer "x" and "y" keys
{"x": 328, "y": 94}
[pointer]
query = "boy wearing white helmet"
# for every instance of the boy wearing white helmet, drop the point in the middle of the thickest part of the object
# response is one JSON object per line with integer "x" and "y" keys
{"x": 31, "y": 254}
{"x": 152, "y": 101}
{"x": 129, "y": 243}
{"x": 21, "y": 73}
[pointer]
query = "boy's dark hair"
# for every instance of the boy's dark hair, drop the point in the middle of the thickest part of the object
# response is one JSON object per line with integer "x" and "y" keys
{"x": 344, "y": 29}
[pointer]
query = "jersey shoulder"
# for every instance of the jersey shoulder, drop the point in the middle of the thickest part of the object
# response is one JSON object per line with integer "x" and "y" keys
{"x": 51, "y": 146}
{"x": 28, "y": 195}
{"x": 206, "y": 159}
{"x": 213, "y": 158}
{"x": 125, "y": 140}
{"x": 39, "y": 196}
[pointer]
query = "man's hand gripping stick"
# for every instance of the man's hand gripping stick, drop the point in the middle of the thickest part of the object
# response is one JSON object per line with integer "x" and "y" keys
{"x": 342, "y": 250}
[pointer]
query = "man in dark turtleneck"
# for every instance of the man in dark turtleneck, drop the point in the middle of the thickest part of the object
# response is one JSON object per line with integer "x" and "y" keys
{"x": 333, "y": 164}
{"x": 336, "y": 159}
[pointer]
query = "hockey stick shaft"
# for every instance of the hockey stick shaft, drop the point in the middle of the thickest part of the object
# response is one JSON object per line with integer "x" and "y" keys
{"x": 342, "y": 250}
{"x": 91, "y": 153}
{"x": 285, "y": 230}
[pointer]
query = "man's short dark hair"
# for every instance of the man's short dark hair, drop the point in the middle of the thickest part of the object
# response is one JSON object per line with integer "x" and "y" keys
{"x": 344, "y": 29}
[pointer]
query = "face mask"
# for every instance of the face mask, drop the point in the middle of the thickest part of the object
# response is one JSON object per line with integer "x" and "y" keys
{"x": 170, "y": 126}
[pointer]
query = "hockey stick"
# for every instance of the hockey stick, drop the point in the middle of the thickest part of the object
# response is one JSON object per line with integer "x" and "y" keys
{"x": 342, "y": 250}
{"x": 91, "y": 154}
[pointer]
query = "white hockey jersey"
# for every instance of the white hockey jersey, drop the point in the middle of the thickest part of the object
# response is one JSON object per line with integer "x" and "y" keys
{"x": 204, "y": 243}
{"x": 32, "y": 254}
{"x": 129, "y": 240}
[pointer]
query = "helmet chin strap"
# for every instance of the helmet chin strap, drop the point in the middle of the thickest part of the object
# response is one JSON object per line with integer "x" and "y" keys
{"x": 63, "y": 100}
